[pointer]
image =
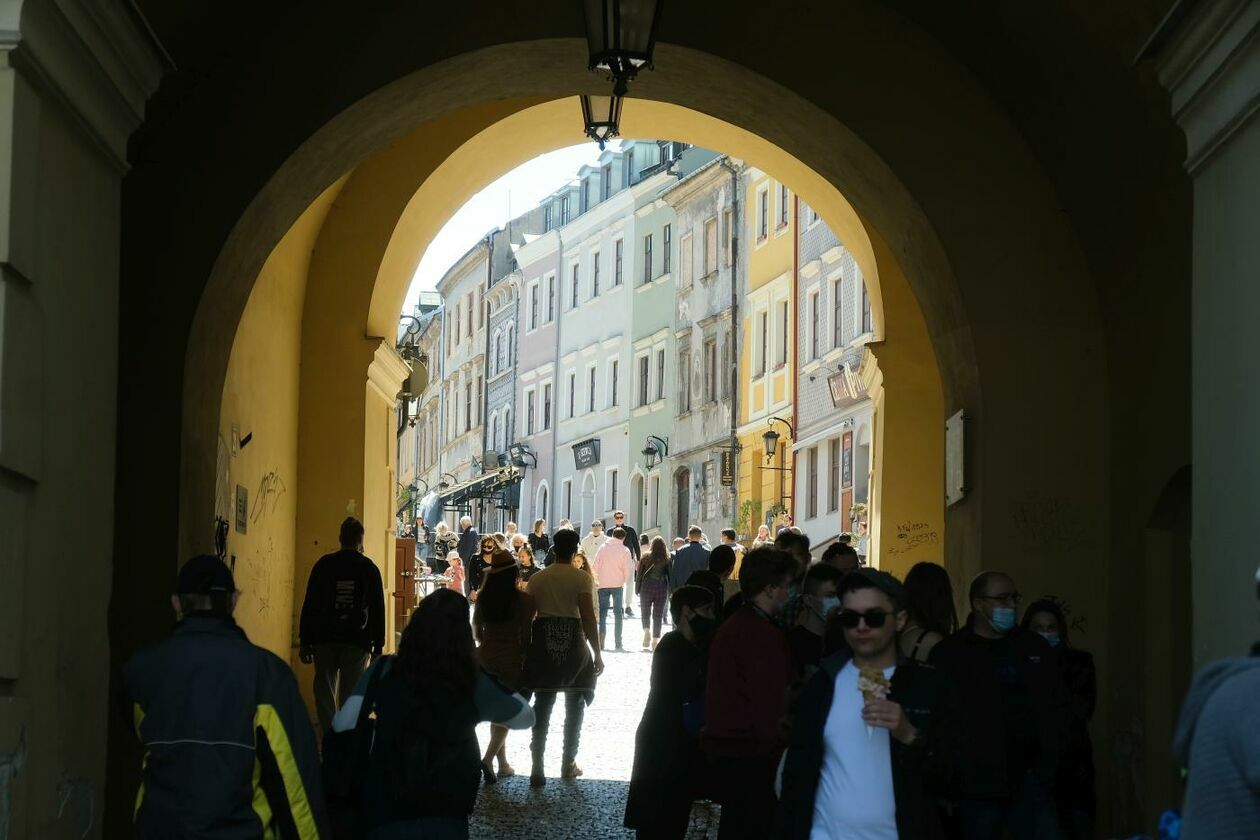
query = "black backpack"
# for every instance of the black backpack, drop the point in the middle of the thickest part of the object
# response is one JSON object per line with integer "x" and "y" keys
{"x": 425, "y": 758}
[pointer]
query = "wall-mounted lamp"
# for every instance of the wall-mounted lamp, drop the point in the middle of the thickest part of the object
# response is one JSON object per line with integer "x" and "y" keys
{"x": 771, "y": 437}
{"x": 520, "y": 455}
{"x": 655, "y": 450}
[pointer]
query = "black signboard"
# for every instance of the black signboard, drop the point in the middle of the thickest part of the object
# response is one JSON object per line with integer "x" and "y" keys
{"x": 728, "y": 468}
{"x": 586, "y": 453}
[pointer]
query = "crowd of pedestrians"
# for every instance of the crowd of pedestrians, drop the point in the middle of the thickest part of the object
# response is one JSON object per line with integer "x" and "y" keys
{"x": 809, "y": 698}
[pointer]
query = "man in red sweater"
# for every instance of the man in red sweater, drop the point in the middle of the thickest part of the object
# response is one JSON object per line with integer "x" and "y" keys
{"x": 750, "y": 667}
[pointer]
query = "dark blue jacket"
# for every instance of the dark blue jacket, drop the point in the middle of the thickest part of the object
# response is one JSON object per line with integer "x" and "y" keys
{"x": 229, "y": 748}
{"x": 692, "y": 557}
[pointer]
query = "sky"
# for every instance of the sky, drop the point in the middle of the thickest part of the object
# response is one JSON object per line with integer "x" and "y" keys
{"x": 522, "y": 188}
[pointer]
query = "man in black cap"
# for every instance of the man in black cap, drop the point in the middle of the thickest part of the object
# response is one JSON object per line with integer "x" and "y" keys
{"x": 229, "y": 750}
{"x": 343, "y": 621}
{"x": 855, "y": 759}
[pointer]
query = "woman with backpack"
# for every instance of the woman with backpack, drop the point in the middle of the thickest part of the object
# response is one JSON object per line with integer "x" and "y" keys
{"x": 501, "y": 622}
{"x": 421, "y": 763}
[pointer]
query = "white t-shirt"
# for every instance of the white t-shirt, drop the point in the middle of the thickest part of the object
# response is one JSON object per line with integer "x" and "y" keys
{"x": 855, "y": 790}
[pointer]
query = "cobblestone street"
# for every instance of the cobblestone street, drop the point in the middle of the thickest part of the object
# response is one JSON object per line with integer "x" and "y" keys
{"x": 594, "y": 805}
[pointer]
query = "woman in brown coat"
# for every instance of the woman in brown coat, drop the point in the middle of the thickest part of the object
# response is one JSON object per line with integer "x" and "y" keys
{"x": 501, "y": 624}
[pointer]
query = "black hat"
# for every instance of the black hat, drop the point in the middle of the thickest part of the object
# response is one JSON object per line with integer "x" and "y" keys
{"x": 882, "y": 581}
{"x": 204, "y": 574}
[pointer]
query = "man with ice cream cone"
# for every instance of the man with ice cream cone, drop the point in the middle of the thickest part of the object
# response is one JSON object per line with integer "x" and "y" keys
{"x": 858, "y": 749}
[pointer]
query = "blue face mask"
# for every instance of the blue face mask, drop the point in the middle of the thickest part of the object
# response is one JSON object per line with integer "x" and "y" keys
{"x": 1003, "y": 619}
{"x": 828, "y": 604}
{"x": 1052, "y": 638}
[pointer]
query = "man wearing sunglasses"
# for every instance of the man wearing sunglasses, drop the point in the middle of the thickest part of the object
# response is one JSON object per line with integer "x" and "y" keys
{"x": 853, "y": 766}
{"x": 1003, "y": 719}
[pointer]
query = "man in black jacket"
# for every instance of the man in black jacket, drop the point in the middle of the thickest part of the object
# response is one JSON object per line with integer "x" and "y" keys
{"x": 632, "y": 543}
{"x": 692, "y": 557}
{"x": 229, "y": 751}
{"x": 862, "y": 729}
{"x": 1003, "y": 719}
{"x": 343, "y": 621}
{"x": 469, "y": 548}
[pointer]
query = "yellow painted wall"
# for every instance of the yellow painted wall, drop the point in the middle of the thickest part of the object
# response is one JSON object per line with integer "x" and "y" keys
{"x": 260, "y": 397}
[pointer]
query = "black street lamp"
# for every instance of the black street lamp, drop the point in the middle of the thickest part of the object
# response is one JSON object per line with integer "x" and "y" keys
{"x": 443, "y": 483}
{"x": 621, "y": 37}
{"x": 771, "y": 437}
{"x": 655, "y": 450}
{"x": 602, "y": 116}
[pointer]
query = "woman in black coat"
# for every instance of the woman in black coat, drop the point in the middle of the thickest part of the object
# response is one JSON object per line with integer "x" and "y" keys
{"x": 668, "y": 766}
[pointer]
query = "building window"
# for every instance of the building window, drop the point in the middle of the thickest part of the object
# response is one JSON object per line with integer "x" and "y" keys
{"x": 612, "y": 489}
{"x": 667, "y": 242}
{"x": 708, "y": 483}
{"x": 655, "y": 496}
{"x": 867, "y": 325}
{"x": 605, "y": 183}
{"x": 590, "y": 385}
{"x": 684, "y": 260}
{"x": 568, "y": 498}
{"x": 468, "y": 404}
{"x": 618, "y": 262}
{"x": 546, "y": 407}
{"x": 547, "y": 220}
{"x": 684, "y": 381}
{"x": 811, "y": 482}
{"x": 710, "y": 247}
{"x": 837, "y": 315}
{"x": 783, "y": 205}
{"x": 564, "y": 210}
{"x": 477, "y": 404}
{"x": 710, "y": 369}
{"x": 509, "y": 433}
{"x": 833, "y": 487}
{"x": 508, "y": 352}
{"x": 494, "y": 433}
{"x": 529, "y": 413}
{"x": 612, "y": 382}
{"x": 728, "y": 363}
{"x": 481, "y": 310}
{"x": 763, "y": 214}
{"x": 647, "y": 258}
{"x": 763, "y": 344}
{"x": 630, "y": 173}
{"x": 542, "y": 503}
{"x": 660, "y": 374}
{"x": 533, "y": 307}
{"x": 787, "y": 332}
{"x": 572, "y": 393}
{"x": 728, "y": 225}
{"x": 813, "y": 325}
{"x": 575, "y": 281}
{"x": 644, "y": 363}
{"x": 595, "y": 274}
{"x": 498, "y": 352}
{"x": 456, "y": 334}
{"x": 551, "y": 298}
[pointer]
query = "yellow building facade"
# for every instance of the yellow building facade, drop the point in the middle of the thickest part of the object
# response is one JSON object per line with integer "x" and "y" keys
{"x": 766, "y": 364}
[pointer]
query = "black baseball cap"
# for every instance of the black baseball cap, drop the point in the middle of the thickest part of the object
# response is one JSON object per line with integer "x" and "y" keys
{"x": 882, "y": 581}
{"x": 204, "y": 574}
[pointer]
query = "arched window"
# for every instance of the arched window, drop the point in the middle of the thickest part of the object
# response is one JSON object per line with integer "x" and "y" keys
{"x": 494, "y": 434}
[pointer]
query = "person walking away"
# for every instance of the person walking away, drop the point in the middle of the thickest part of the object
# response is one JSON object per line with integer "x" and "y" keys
{"x": 841, "y": 556}
{"x": 1218, "y": 743}
{"x": 930, "y": 613}
{"x": 594, "y": 539}
{"x": 1074, "y": 789}
{"x": 468, "y": 546}
{"x": 856, "y": 756}
{"x": 539, "y": 542}
{"x": 564, "y": 654}
{"x": 423, "y": 769}
{"x": 501, "y": 623}
{"x": 1002, "y": 720}
{"x": 722, "y": 562}
{"x": 228, "y": 747}
{"x": 455, "y": 572}
{"x": 613, "y": 566}
{"x": 475, "y": 568}
{"x": 692, "y": 557}
{"x": 654, "y": 579}
{"x": 631, "y": 540}
{"x": 669, "y": 772}
{"x": 342, "y": 622}
{"x": 749, "y": 670}
{"x": 819, "y": 598}
{"x": 729, "y": 537}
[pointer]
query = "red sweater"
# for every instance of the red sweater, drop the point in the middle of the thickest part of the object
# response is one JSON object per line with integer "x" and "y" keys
{"x": 750, "y": 667}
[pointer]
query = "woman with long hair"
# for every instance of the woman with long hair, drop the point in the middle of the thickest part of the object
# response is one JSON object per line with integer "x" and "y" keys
{"x": 1074, "y": 786}
{"x": 653, "y": 577}
{"x": 539, "y": 542}
{"x": 478, "y": 564}
{"x": 525, "y": 559}
{"x": 424, "y": 705}
{"x": 763, "y": 537}
{"x": 444, "y": 542}
{"x": 930, "y": 612}
{"x": 501, "y": 623}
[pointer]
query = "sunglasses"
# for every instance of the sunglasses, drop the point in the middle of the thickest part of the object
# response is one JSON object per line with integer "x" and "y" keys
{"x": 849, "y": 619}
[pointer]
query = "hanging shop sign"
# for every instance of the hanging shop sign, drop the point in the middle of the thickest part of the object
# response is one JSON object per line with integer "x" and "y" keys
{"x": 586, "y": 453}
{"x": 728, "y": 468}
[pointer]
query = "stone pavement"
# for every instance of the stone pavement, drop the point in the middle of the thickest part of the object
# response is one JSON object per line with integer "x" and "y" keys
{"x": 591, "y": 808}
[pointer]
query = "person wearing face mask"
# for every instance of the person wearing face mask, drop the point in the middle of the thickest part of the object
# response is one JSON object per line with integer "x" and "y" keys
{"x": 1074, "y": 786}
{"x": 818, "y": 600}
{"x": 669, "y": 769}
{"x": 855, "y": 765}
{"x": 750, "y": 667}
{"x": 1002, "y": 721}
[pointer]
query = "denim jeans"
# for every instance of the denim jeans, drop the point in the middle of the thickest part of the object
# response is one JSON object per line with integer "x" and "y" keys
{"x": 574, "y": 711}
{"x": 614, "y": 595}
{"x": 1030, "y": 815}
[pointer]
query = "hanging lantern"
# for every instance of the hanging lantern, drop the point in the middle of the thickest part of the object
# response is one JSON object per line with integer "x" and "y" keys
{"x": 602, "y": 116}
{"x": 621, "y": 36}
